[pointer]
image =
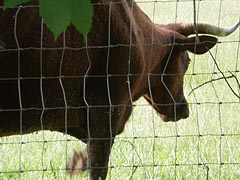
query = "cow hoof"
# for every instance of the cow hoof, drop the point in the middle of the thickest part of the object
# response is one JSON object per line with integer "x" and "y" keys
{"x": 78, "y": 163}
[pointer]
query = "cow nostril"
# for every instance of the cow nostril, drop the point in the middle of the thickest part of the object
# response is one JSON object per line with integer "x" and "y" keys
{"x": 185, "y": 113}
{"x": 183, "y": 109}
{"x": 184, "y": 101}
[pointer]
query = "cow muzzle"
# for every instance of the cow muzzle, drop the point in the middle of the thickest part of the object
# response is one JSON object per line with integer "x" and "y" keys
{"x": 180, "y": 111}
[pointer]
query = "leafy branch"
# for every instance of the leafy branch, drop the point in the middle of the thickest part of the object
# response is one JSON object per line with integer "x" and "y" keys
{"x": 59, "y": 14}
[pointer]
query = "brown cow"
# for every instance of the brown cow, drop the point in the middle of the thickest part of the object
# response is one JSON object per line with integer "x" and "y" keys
{"x": 86, "y": 88}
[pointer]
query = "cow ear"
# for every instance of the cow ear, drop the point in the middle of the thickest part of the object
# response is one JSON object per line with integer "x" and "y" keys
{"x": 205, "y": 44}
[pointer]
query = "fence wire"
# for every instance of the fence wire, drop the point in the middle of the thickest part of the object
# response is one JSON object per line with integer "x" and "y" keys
{"x": 204, "y": 146}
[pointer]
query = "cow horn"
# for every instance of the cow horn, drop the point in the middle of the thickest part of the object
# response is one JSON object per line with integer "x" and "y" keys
{"x": 188, "y": 29}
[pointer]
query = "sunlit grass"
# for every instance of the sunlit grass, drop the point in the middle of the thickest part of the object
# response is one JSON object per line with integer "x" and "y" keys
{"x": 206, "y": 145}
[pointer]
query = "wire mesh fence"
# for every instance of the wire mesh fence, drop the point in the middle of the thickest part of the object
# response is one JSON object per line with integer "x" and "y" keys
{"x": 37, "y": 75}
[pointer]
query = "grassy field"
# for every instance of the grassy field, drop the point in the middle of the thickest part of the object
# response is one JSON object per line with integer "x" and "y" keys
{"x": 204, "y": 146}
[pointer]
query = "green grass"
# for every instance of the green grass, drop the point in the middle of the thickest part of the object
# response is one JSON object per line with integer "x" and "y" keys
{"x": 186, "y": 150}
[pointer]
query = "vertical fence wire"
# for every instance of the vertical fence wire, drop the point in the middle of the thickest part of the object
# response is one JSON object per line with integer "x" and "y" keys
{"x": 108, "y": 84}
{"x": 42, "y": 96}
{"x": 19, "y": 89}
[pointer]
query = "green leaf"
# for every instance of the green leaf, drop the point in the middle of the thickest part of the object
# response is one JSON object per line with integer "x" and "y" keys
{"x": 12, "y": 3}
{"x": 82, "y": 14}
{"x": 59, "y": 14}
{"x": 56, "y": 15}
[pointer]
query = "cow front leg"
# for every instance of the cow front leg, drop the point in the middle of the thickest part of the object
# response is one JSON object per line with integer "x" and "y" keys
{"x": 99, "y": 151}
{"x": 94, "y": 157}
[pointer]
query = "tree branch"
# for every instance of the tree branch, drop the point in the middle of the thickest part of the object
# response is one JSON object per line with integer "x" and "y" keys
{"x": 223, "y": 77}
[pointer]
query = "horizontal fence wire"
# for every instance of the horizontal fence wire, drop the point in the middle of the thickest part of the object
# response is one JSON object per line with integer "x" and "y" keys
{"x": 204, "y": 146}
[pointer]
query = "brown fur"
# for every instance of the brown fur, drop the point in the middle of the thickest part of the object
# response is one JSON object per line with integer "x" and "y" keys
{"x": 46, "y": 86}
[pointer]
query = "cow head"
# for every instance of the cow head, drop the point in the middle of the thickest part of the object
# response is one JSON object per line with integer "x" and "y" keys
{"x": 166, "y": 90}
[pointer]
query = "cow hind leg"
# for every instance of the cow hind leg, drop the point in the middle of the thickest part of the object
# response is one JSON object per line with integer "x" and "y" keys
{"x": 78, "y": 162}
